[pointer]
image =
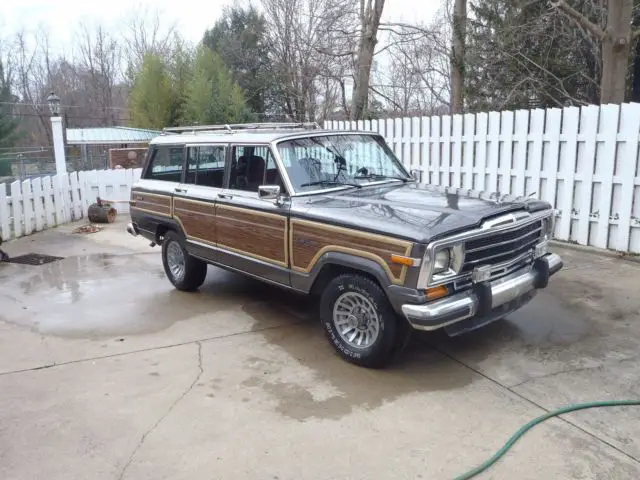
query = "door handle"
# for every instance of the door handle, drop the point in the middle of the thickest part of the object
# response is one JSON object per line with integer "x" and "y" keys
{"x": 180, "y": 190}
{"x": 224, "y": 195}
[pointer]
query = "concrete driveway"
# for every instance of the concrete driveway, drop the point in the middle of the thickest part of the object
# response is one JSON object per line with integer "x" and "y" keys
{"x": 106, "y": 372}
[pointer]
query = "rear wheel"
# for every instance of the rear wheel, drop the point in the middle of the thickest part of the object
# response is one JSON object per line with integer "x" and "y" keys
{"x": 359, "y": 321}
{"x": 184, "y": 271}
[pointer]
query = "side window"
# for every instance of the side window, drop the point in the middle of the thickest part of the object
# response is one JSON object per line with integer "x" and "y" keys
{"x": 252, "y": 167}
{"x": 205, "y": 165}
{"x": 165, "y": 164}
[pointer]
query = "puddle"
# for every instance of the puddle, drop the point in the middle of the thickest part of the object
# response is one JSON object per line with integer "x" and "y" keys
{"x": 311, "y": 381}
{"x": 103, "y": 296}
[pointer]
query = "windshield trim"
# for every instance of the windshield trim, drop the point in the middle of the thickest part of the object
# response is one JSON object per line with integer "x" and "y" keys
{"x": 325, "y": 133}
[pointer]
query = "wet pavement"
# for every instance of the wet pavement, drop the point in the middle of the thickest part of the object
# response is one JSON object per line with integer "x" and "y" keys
{"x": 107, "y": 372}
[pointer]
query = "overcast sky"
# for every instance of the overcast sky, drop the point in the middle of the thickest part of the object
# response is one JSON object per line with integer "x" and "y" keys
{"x": 62, "y": 17}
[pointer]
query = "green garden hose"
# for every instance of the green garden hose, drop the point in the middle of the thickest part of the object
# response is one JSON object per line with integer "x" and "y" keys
{"x": 515, "y": 437}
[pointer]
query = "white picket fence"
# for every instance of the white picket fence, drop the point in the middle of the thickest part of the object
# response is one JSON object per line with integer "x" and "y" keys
{"x": 584, "y": 161}
{"x": 45, "y": 202}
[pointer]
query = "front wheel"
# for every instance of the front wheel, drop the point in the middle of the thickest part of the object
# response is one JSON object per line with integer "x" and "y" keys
{"x": 359, "y": 320}
{"x": 184, "y": 271}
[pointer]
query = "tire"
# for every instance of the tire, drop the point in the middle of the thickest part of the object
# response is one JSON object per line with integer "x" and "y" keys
{"x": 359, "y": 321}
{"x": 193, "y": 272}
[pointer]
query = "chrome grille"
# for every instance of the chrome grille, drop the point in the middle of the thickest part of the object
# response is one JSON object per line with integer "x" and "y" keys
{"x": 501, "y": 248}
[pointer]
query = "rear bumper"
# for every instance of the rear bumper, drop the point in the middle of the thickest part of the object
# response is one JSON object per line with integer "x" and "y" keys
{"x": 484, "y": 302}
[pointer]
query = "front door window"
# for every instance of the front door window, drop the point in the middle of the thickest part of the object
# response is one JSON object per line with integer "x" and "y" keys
{"x": 252, "y": 166}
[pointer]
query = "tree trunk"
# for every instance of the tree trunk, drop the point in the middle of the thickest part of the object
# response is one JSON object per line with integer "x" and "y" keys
{"x": 370, "y": 13}
{"x": 457, "y": 56}
{"x": 615, "y": 52}
{"x": 634, "y": 47}
{"x": 361, "y": 87}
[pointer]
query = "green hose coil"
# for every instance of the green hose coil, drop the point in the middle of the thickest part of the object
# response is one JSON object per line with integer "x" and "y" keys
{"x": 516, "y": 436}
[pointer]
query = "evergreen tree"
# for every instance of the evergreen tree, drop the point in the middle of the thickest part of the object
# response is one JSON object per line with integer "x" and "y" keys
{"x": 153, "y": 99}
{"x": 211, "y": 95}
{"x": 239, "y": 37}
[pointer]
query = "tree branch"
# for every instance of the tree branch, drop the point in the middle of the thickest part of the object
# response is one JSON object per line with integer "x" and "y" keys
{"x": 387, "y": 98}
{"x": 579, "y": 18}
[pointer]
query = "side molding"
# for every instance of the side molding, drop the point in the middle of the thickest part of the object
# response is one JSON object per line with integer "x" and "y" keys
{"x": 311, "y": 241}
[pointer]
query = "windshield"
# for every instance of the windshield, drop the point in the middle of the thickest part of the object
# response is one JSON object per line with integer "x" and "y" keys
{"x": 330, "y": 161}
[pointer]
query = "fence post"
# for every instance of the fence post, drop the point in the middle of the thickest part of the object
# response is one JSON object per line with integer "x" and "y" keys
{"x": 75, "y": 196}
{"x": 58, "y": 199}
{"x": 605, "y": 166}
{"x": 456, "y": 153}
{"x": 493, "y": 152}
{"x": 38, "y": 206}
{"x": 550, "y": 157}
{"x": 435, "y": 147}
{"x": 27, "y": 207}
{"x": 585, "y": 168}
{"x": 625, "y": 172}
{"x": 5, "y": 226}
{"x": 518, "y": 161}
{"x": 506, "y": 152}
{"x": 479, "y": 153}
{"x": 533, "y": 165}
{"x": 566, "y": 169}
{"x": 49, "y": 208}
{"x": 16, "y": 206}
{"x": 468, "y": 148}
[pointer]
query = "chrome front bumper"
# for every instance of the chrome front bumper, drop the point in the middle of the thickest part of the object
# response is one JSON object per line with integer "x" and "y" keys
{"x": 486, "y": 301}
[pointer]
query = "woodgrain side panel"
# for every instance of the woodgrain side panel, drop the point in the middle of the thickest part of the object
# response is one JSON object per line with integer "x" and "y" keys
{"x": 258, "y": 234}
{"x": 152, "y": 203}
{"x": 310, "y": 240}
{"x": 197, "y": 218}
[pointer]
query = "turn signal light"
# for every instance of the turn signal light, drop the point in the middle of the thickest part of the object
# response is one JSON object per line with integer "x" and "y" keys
{"x": 436, "y": 292}
{"x": 407, "y": 261}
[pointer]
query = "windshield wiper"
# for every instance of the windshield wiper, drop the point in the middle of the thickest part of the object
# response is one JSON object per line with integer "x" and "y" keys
{"x": 383, "y": 177}
{"x": 331, "y": 182}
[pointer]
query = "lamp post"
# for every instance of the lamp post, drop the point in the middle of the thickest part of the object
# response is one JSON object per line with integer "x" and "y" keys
{"x": 56, "y": 129}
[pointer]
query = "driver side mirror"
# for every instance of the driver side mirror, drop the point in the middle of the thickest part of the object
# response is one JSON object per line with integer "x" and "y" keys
{"x": 416, "y": 175}
{"x": 268, "y": 192}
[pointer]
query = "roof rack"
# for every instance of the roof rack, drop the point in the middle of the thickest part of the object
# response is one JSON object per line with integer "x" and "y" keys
{"x": 235, "y": 127}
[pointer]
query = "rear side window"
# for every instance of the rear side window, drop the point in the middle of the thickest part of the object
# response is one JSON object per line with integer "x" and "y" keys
{"x": 165, "y": 164}
{"x": 205, "y": 165}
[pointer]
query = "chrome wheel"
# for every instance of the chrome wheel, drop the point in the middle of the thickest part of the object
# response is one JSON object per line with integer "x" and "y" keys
{"x": 175, "y": 260}
{"x": 356, "y": 320}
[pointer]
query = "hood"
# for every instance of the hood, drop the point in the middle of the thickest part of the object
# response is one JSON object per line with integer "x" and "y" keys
{"x": 416, "y": 212}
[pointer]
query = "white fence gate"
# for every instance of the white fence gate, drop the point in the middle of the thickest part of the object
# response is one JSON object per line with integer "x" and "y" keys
{"x": 584, "y": 161}
{"x": 45, "y": 202}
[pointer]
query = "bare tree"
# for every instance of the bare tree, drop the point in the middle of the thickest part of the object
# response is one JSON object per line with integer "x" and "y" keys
{"x": 370, "y": 14}
{"x": 309, "y": 42}
{"x": 100, "y": 59}
{"x": 146, "y": 33}
{"x": 417, "y": 79}
{"x": 615, "y": 39}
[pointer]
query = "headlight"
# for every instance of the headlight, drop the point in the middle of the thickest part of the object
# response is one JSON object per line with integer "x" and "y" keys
{"x": 442, "y": 261}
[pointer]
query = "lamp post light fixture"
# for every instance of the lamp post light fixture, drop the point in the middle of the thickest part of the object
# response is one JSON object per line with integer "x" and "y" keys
{"x": 56, "y": 129}
{"x": 54, "y": 104}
